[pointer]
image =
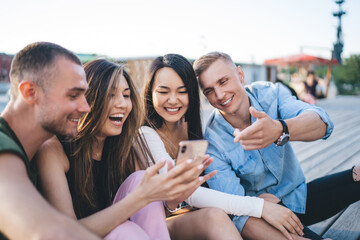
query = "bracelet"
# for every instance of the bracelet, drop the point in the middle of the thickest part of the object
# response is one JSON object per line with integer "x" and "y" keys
{"x": 172, "y": 211}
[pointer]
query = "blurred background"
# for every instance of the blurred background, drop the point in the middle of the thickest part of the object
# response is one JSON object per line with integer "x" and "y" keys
{"x": 272, "y": 40}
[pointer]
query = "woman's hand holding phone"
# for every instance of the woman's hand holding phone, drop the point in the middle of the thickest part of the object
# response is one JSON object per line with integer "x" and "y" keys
{"x": 195, "y": 150}
{"x": 204, "y": 163}
{"x": 175, "y": 185}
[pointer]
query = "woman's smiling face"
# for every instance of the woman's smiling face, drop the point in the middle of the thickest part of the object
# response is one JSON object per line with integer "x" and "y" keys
{"x": 170, "y": 96}
{"x": 120, "y": 106}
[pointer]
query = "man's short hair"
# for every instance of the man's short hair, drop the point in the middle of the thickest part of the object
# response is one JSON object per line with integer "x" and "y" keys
{"x": 204, "y": 62}
{"x": 35, "y": 63}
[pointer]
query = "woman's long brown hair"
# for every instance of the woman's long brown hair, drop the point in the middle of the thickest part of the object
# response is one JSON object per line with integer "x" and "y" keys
{"x": 118, "y": 153}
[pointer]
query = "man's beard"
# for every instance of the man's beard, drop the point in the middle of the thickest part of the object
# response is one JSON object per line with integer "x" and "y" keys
{"x": 57, "y": 127}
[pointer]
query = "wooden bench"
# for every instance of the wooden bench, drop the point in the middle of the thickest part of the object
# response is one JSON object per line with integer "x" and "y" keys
{"x": 340, "y": 152}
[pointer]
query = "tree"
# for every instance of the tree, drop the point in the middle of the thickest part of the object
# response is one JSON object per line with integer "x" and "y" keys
{"x": 347, "y": 76}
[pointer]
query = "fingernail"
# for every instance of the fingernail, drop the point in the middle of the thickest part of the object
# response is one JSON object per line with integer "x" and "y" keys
{"x": 200, "y": 166}
{"x": 189, "y": 161}
{"x": 201, "y": 178}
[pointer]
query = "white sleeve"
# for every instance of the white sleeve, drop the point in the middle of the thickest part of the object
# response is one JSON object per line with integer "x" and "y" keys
{"x": 156, "y": 146}
{"x": 205, "y": 197}
{"x": 231, "y": 204}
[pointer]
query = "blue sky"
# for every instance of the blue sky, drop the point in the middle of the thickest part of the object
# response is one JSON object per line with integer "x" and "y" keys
{"x": 249, "y": 30}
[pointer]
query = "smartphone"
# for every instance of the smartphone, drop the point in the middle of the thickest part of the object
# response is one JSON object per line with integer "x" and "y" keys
{"x": 191, "y": 149}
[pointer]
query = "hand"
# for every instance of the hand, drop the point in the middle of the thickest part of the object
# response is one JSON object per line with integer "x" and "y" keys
{"x": 262, "y": 133}
{"x": 269, "y": 197}
{"x": 181, "y": 179}
{"x": 174, "y": 203}
{"x": 282, "y": 218}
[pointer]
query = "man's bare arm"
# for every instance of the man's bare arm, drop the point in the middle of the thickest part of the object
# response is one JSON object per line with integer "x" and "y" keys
{"x": 24, "y": 213}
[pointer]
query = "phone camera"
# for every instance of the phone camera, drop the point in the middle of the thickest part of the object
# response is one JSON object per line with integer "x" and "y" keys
{"x": 183, "y": 149}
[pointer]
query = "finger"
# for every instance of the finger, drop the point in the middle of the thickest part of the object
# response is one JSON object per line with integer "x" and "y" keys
{"x": 203, "y": 166}
{"x": 252, "y": 132}
{"x": 252, "y": 142}
{"x": 151, "y": 171}
{"x": 237, "y": 138}
{"x": 284, "y": 232}
{"x": 203, "y": 179}
{"x": 289, "y": 227}
{"x": 296, "y": 228}
{"x": 206, "y": 157}
{"x": 202, "y": 158}
{"x": 236, "y": 134}
{"x": 297, "y": 220}
{"x": 208, "y": 162}
{"x": 249, "y": 132}
{"x": 179, "y": 189}
{"x": 257, "y": 114}
{"x": 189, "y": 174}
{"x": 298, "y": 224}
{"x": 170, "y": 165}
{"x": 192, "y": 172}
{"x": 197, "y": 170}
{"x": 207, "y": 176}
{"x": 252, "y": 147}
{"x": 179, "y": 169}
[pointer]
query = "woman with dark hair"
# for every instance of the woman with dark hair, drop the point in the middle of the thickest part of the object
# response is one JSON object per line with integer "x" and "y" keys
{"x": 172, "y": 107}
{"x": 94, "y": 177}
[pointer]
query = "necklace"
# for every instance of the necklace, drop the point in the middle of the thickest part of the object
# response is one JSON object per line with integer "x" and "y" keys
{"x": 171, "y": 149}
{"x": 96, "y": 155}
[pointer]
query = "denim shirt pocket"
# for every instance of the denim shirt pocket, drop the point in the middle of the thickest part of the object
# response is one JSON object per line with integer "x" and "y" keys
{"x": 244, "y": 166}
{"x": 273, "y": 157}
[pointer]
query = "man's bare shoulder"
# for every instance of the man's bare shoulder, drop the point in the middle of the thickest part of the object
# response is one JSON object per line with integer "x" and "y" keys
{"x": 52, "y": 144}
{"x": 11, "y": 163}
{"x": 52, "y": 152}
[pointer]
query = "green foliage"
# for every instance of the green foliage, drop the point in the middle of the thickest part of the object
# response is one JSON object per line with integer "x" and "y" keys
{"x": 290, "y": 70}
{"x": 321, "y": 71}
{"x": 347, "y": 76}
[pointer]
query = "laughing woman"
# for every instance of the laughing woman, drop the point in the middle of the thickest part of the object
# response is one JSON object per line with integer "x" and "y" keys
{"x": 172, "y": 107}
{"x": 93, "y": 177}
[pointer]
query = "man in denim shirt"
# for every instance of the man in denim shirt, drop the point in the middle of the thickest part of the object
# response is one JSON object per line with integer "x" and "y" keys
{"x": 258, "y": 161}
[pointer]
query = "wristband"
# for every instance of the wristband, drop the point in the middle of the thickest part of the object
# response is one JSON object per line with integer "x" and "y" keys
{"x": 172, "y": 211}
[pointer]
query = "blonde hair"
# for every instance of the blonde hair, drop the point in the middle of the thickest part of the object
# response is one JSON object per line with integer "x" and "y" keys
{"x": 204, "y": 62}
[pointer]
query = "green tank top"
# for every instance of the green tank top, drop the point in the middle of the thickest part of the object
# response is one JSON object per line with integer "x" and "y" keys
{"x": 10, "y": 143}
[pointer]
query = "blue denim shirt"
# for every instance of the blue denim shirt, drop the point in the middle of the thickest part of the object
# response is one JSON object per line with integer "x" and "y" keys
{"x": 273, "y": 169}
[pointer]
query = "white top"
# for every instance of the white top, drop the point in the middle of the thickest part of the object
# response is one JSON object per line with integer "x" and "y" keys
{"x": 205, "y": 197}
